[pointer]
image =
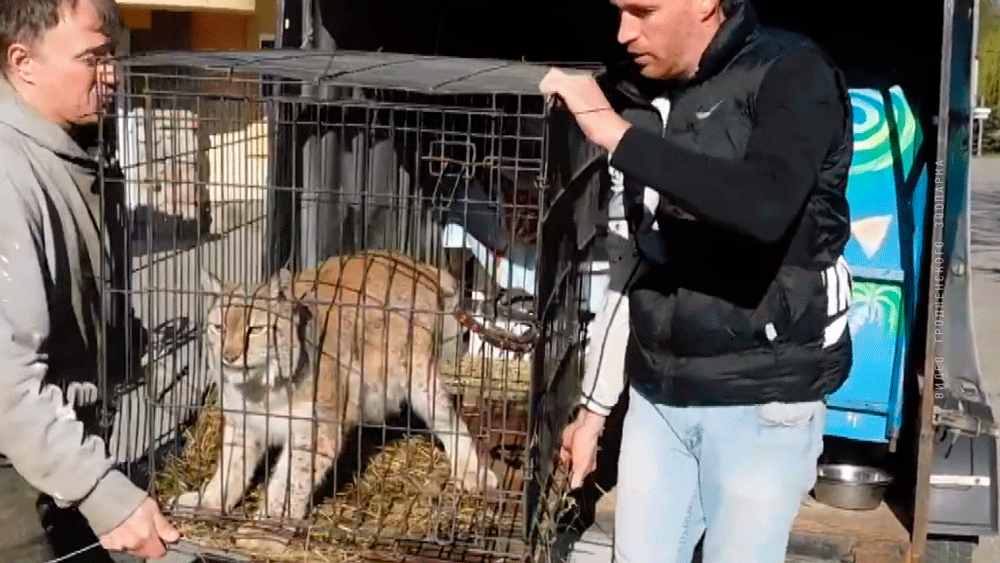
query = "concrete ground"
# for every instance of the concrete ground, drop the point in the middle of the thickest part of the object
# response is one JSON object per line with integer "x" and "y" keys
{"x": 985, "y": 262}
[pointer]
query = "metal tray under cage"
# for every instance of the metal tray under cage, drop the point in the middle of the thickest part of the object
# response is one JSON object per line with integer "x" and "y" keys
{"x": 235, "y": 166}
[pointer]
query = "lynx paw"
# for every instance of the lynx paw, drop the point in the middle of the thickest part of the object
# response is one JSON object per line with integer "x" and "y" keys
{"x": 472, "y": 481}
{"x": 254, "y": 539}
{"x": 194, "y": 500}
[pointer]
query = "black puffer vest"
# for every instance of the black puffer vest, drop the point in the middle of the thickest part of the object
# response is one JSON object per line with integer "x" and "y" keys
{"x": 699, "y": 323}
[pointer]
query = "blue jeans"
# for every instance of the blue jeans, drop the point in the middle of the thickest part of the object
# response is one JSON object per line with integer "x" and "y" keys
{"x": 735, "y": 474}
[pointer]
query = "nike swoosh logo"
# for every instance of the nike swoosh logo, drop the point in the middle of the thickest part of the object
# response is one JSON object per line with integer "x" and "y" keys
{"x": 704, "y": 114}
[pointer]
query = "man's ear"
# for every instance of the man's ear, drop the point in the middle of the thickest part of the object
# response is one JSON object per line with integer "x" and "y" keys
{"x": 708, "y": 9}
{"x": 20, "y": 62}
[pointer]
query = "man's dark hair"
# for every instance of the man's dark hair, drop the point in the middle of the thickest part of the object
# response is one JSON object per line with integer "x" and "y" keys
{"x": 24, "y": 21}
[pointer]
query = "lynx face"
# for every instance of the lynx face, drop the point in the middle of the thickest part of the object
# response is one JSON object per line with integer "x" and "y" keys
{"x": 251, "y": 337}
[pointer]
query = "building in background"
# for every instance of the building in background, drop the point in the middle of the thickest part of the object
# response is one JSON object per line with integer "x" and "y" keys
{"x": 200, "y": 137}
{"x": 198, "y": 24}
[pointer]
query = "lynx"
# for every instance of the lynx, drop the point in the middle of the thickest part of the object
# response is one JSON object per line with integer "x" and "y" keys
{"x": 306, "y": 357}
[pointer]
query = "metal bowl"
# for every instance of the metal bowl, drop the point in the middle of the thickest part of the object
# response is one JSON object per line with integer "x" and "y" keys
{"x": 851, "y": 487}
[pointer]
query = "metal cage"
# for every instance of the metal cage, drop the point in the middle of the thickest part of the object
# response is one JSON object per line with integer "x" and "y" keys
{"x": 242, "y": 169}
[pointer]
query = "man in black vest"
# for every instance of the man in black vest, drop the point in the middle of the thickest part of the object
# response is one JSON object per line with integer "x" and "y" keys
{"x": 731, "y": 144}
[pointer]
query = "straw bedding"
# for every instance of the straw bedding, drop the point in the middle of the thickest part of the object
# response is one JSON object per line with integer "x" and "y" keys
{"x": 402, "y": 491}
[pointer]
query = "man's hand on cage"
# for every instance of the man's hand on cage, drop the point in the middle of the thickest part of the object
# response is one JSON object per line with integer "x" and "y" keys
{"x": 579, "y": 445}
{"x": 142, "y": 534}
{"x": 585, "y": 100}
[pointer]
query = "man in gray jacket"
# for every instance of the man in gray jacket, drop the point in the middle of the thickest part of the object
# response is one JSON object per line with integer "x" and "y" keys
{"x": 52, "y": 256}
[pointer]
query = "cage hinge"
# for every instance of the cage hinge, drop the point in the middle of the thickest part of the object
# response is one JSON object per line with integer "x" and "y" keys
{"x": 964, "y": 423}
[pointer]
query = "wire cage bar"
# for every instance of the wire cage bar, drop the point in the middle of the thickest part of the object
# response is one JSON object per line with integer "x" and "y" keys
{"x": 318, "y": 238}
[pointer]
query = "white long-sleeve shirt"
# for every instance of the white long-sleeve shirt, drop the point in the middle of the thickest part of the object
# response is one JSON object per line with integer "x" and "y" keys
{"x": 604, "y": 372}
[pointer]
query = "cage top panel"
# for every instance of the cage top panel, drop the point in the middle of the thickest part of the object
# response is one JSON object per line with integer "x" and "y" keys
{"x": 420, "y": 73}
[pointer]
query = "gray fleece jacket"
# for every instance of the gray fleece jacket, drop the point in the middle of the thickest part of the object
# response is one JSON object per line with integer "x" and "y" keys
{"x": 51, "y": 256}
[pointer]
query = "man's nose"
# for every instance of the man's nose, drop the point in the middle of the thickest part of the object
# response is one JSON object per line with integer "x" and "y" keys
{"x": 628, "y": 28}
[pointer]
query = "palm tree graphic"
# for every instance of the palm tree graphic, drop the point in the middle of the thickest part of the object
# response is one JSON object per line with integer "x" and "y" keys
{"x": 875, "y": 303}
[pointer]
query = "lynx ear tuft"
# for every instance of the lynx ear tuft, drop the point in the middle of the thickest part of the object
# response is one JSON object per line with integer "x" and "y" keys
{"x": 209, "y": 282}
